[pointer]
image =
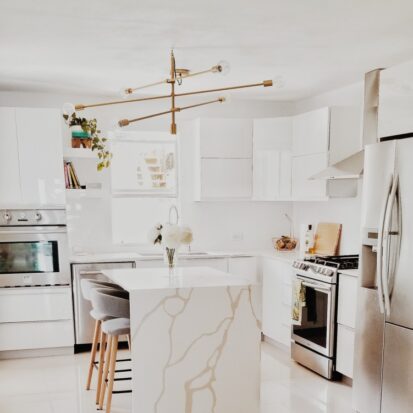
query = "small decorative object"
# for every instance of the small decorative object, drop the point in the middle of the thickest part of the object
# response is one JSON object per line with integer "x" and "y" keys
{"x": 171, "y": 236}
{"x": 284, "y": 243}
{"x": 86, "y": 134}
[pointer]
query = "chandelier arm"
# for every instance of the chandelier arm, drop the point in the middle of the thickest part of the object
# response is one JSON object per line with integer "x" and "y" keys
{"x": 265, "y": 83}
{"x": 131, "y": 90}
{"x": 126, "y": 122}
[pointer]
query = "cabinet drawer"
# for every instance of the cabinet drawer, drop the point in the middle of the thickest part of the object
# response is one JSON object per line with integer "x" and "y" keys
{"x": 345, "y": 350}
{"x": 36, "y": 335}
{"x": 347, "y": 303}
{"x": 216, "y": 263}
{"x": 35, "y": 304}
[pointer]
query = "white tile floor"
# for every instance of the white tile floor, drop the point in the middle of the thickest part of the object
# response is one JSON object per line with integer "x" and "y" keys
{"x": 56, "y": 385}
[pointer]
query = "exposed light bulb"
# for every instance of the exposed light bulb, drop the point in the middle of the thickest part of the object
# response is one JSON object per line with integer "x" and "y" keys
{"x": 222, "y": 67}
{"x": 278, "y": 82}
{"x": 68, "y": 109}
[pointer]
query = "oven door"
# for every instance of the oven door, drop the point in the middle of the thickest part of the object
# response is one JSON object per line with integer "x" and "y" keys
{"x": 317, "y": 327}
{"x": 34, "y": 256}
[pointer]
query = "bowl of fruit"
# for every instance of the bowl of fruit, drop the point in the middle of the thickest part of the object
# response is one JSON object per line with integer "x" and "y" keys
{"x": 284, "y": 243}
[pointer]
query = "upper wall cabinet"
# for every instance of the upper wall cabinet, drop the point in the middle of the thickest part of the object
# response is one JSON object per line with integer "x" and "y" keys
{"x": 224, "y": 138}
{"x": 311, "y": 132}
{"x": 33, "y": 145}
{"x": 10, "y": 190}
{"x": 396, "y": 100}
{"x": 223, "y": 165}
{"x": 272, "y": 159}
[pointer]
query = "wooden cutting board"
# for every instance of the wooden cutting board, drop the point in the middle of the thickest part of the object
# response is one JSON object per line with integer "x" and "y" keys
{"x": 327, "y": 238}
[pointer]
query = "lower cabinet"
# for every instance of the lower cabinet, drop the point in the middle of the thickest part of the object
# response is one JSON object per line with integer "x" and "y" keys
{"x": 244, "y": 267}
{"x": 276, "y": 300}
{"x": 346, "y": 322}
{"x": 36, "y": 318}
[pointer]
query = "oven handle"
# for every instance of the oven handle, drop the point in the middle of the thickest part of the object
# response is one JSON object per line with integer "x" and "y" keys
{"x": 316, "y": 286}
{"x": 90, "y": 272}
{"x": 49, "y": 230}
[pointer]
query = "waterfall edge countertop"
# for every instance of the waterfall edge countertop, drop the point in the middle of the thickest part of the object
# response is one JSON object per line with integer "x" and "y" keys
{"x": 179, "y": 277}
{"x": 195, "y": 340}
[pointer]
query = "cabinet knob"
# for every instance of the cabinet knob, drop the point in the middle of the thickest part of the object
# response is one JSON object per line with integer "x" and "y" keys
{"x": 7, "y": 216}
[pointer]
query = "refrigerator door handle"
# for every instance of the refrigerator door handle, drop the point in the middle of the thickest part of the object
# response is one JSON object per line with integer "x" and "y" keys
{"x": 379, "y": 258}
{"x": 386, "y": 235}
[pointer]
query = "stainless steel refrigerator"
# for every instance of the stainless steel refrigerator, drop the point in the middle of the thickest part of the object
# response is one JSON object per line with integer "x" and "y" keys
{"x": 383, "y": 363}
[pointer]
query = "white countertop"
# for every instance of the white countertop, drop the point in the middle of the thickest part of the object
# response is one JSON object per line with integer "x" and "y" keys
{"x": 287, "y": 256}
{"x": 180, "y": 277}
{"x": 353, "y": 273}
{"x": 82, "y": 258}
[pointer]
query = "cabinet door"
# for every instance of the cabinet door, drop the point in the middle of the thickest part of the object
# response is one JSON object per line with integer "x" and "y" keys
{"x": 311, "y": 132}
{"x": 39, "y": 134}
{"x": 345, "y": 350}
{"x": 226, "y": 178}
{"x": 10, "y": 190}
{"x": 225, "y": 138}
{"x": 303, "y": 168}
{"x": 276, "y": 301}
{"x": 347, "y": 291}
{"x": 273, "y": 133}
{"x": 244, "y": 267}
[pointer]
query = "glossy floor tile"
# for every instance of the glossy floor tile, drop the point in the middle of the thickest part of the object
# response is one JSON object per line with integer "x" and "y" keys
{"x": 56, "y": 385}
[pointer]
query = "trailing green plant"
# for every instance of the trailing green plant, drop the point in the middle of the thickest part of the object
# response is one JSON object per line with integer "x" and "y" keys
{"x": 98, "y": 142}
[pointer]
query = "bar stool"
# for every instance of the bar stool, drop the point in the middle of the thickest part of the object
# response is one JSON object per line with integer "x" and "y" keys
{"x": 114, "y": 303}
{"x": 87, "y": 286}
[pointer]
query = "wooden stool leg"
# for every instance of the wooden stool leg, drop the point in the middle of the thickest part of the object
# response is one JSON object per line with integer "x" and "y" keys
{"x": 101, "y": 363}
{"x": 93, "y": 353}
{"x": 112, "y": 372}
{"x": 105, "y": 372}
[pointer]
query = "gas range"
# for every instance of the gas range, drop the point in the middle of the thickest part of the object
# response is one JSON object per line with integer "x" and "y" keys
{"x": 325, "y": 268}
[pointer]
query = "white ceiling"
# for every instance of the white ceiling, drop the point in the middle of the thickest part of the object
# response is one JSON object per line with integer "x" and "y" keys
{"x": 99, "y": 46}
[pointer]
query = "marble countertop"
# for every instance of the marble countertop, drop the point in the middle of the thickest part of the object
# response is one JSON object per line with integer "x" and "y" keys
{"x": 82, "y": 258}
{"x": 159, "y": 278}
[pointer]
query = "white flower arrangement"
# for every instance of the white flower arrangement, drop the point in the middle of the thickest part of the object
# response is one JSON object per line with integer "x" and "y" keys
{"x": 172, "y": 236}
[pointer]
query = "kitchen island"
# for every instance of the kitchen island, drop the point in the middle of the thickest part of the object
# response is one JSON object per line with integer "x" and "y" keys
{"x": 195, "y": 340}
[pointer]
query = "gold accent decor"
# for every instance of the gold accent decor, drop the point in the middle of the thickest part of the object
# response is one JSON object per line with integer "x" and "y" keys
{"x": 176, "y": 77}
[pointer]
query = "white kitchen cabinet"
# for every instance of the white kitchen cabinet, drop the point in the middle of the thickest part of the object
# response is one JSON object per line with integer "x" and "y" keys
{"x": 345, "y": 350}
{"x": 244, "y": 267}
{"x": 303, "y": 167}
{"x": 224, "y": 138}
{"x": 276, "y": 300}
{"x": 223, "y": 165}
{"x": 31, "y": 160}
{"x": 311, "y": 132}
{"x": 272, "y": 141}
{"x": 40, "y": 335}
{"x": 36, "y": 318}
{"x": 10, "y": 190}
{"x": 346, "y": 321}
{"x": 224, "y": 179}
{"x": 39, "y": 134}
{"x": 35, "y": 304}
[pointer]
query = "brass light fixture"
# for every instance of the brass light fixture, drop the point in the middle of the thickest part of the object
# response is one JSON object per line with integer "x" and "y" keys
{"x": 175, "y": 78}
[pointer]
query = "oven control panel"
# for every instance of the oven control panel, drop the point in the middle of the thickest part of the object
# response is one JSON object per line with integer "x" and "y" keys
{"x": 32, "y": 217}
{"x": 315, "y": 271}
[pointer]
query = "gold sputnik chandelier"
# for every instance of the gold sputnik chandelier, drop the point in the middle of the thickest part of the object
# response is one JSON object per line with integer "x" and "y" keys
{"x": 175, "y": 79}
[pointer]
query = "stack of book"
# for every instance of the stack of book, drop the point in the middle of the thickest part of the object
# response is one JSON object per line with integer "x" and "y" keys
{"x": 71, "y": 179}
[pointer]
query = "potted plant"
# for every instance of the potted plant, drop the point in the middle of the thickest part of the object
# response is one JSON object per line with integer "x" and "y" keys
{"x": 86, "y": 134}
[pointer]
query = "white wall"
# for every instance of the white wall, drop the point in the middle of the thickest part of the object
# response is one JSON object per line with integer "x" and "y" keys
{"x": 345, "y": 211}
{"x": 216, "y": 225}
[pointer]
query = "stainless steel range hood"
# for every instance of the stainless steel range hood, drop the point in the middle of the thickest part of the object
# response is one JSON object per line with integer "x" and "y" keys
{"x": 352, "y": 166}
